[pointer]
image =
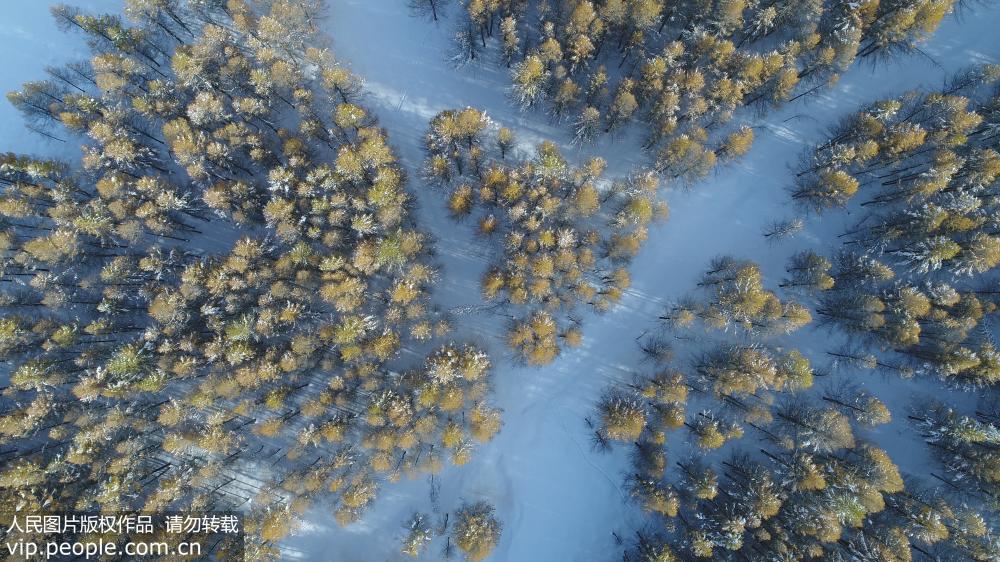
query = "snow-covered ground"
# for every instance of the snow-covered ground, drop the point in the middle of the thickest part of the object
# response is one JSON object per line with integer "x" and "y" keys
{"x": 558, "y": 500}
{"x": 30, "y": 41}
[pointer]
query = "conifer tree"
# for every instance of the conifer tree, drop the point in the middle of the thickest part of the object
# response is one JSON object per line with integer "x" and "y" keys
{"x": 144, "y": 376}
{"x": 476, "y": 530}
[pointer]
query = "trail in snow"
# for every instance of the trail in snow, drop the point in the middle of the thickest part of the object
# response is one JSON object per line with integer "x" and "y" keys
{"x": 555, "y": 505}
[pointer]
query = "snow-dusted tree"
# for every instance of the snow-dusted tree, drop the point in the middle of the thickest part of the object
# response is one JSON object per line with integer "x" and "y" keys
{"x": 158, "y": 374}
{"x": 476, "y": 530}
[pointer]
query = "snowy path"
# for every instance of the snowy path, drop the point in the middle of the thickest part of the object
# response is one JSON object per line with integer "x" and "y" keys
{"x": 558, "y": 501}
